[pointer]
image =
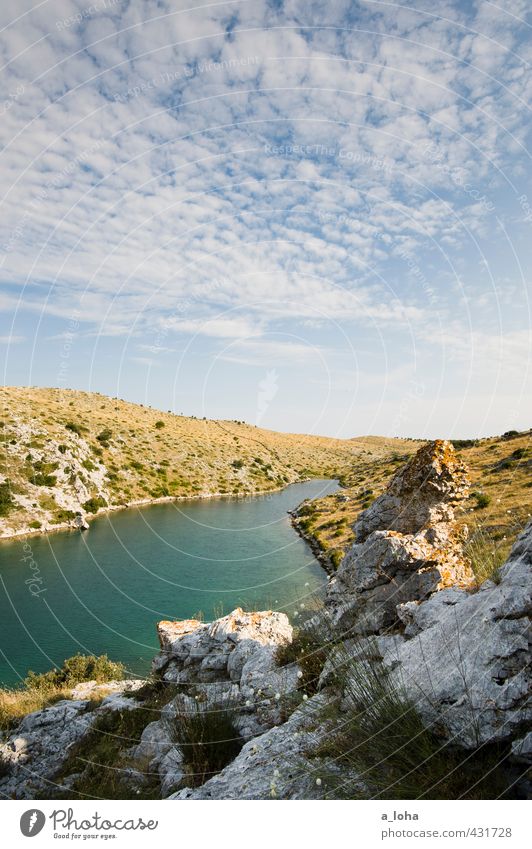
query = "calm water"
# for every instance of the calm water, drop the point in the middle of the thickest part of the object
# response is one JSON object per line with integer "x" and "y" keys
{"x": 105, "y": 589}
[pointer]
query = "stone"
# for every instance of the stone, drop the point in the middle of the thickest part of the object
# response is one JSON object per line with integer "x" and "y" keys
{"x": 421, "y": 494}
{"x": 273, "y": 765}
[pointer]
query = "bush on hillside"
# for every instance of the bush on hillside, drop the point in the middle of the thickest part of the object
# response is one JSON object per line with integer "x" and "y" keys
{"x": 74, "y": 671}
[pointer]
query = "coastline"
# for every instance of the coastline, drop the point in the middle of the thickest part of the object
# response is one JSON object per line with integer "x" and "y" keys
{"x": 321, "y": 556}
{"x": 148, "y": 502}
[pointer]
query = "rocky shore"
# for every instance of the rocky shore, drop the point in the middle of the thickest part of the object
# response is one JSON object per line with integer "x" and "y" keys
{"x": 402, "y": 612}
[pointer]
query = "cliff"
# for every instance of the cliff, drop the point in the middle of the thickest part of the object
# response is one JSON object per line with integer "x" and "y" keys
{"x": 408, "y": 682}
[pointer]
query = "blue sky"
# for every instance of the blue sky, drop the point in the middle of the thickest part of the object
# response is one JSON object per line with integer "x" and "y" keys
{"x": 314, "y": 217}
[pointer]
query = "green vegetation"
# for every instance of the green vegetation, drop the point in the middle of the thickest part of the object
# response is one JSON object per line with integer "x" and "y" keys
{"x": 104, "y": 437}
{"x": 100, "y": 758}
{"x": 385, "y": 750}
{"x": 159, "y": 424}
{"x": 486, "y": 555}
{"x": 92, "y": 505}
{"x": 40, "y": 690}
{"x": 6, "y": 501}
{"x": 310, "y": 652}
{"x": 39, "y": 473}
{"x": 208, "y": 738}
{"x": 75, "y": 428}
{"x": 80, "y": 667}
{"x": 482, "y": 499}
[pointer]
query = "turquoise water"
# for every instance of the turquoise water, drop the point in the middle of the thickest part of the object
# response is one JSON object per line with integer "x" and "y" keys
{"x": 102, "y": 591}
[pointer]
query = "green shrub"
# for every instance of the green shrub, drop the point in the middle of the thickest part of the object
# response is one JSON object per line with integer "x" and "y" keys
{"x": 92, "y": 505}
{"x": 6, "y": 501}
{"x": 35, "y": 524}
{"x": 208, "y": 737}
{"x": 88, "y": 465}
{"x": 159, "y": 424}
{"x": 482, "y": 499}
{"x": 310, "y": 652}
{"x": 104, "y": 437}
{"x": 237, "y": 464}
{"x": 336, "y": 556}
{"x": 62, "y": 515}
{"x": 74, "y": 671}
{"x": 75, "y": 428}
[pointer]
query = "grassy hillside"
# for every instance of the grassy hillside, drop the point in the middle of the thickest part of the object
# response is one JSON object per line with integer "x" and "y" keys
{"x": 499, "y": 506}
{"x": 67, "y": 452}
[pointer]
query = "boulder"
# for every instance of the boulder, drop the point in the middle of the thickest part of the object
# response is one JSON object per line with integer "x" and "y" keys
{"x": 192, "y": 651}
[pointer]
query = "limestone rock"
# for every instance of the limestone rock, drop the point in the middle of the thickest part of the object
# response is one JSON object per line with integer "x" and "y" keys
{"x": 40, "y": 744}
{"x": 194, "y": 651}
{"x": 407, "y": 545}
{"x": 422, "y": 493}
{"x": 468, "y": 666}
{"x": 80, "y": 522}
{"x": 38, "y": 747}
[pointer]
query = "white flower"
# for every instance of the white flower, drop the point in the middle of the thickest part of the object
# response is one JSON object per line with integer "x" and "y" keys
{"x": 299, "y": 673}
{"x": 307, "y": 584}
{"x": 318, "y": 782}
{"x": 276, "y": 773}
{"x": 305, "y": 697}
{"x": 296, "y": 614}
{"x": 248, "y": 703}
{"x": 277, "y": 697}
{"x": 302, "y": 605}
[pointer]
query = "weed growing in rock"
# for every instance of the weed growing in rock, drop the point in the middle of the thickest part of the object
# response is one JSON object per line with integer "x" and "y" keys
{"x": 207, "y": 735}
{"x": 381, "y": 744}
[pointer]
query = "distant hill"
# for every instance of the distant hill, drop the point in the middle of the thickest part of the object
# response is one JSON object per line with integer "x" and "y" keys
{"x": 66, "y": 452}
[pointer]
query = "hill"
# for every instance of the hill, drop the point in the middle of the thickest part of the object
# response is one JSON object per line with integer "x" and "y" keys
{"x": 67, "y": 453}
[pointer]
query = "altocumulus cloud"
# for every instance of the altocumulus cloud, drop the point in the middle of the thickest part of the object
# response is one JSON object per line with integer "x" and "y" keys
{"x": 276, "y": 172}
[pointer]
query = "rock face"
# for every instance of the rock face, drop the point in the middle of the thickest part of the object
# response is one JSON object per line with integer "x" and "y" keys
{"x": 466, "y": 657}
{"x": 421, "y": 494}
{"x": 407, "y": 547}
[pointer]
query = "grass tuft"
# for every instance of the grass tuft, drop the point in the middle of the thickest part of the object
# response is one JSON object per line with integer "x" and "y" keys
{"x": 207, "y": 735}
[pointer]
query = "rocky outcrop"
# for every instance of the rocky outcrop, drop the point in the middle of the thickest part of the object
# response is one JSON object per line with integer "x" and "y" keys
{"x": 408, "y": 545}
{"x": 420, "y": 495}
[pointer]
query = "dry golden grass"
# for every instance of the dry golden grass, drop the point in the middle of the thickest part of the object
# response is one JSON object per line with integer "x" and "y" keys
{"x": 142, "y": 454}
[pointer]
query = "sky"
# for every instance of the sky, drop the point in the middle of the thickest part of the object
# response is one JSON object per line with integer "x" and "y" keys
{"x": 315, "y": 217}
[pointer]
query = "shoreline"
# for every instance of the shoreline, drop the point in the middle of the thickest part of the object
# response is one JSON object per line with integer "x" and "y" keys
{"x": 148, "y": 502}
{"x": 320, "y": 555}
